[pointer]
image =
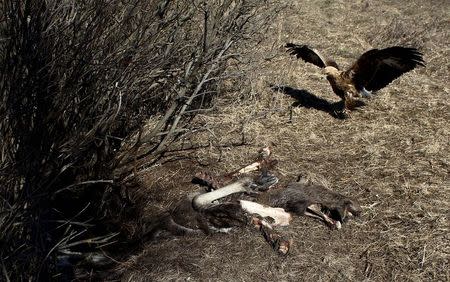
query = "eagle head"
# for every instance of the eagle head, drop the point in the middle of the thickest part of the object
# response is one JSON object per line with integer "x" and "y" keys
{"x": 331, "y": 72}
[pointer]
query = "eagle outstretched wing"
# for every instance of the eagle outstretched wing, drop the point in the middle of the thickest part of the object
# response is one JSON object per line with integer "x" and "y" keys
{"x": 376, "y": 68}
{"x": 310, "y": 55}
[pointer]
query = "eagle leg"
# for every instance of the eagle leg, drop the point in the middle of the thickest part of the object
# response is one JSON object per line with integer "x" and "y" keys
{"x": 351, "y": 103}
{"x": 344, "y": 109}
{"x": 365, "y": 93}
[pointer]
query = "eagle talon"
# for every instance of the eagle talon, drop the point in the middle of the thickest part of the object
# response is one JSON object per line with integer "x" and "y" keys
{"x": 342, "y": 114}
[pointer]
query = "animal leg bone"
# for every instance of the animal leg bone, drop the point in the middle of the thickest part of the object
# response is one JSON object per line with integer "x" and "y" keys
{"x": 315, "y": 211}
{"x": 206, "y": 200}
{"x": 279, "y": 215}
{"x": 263, "y": 162}
{"x": 275, "y": 240}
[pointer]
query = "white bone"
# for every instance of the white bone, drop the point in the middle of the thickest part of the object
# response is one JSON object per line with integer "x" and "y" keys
{"x": 279, "y": 215}
{"x": 251, "y": 167}
{"x": 206, "y": 200}
{"x": 264, "y": 154}
{"x": 315, "y": 211}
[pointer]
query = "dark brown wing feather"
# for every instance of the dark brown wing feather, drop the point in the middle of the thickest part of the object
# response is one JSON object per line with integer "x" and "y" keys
{"x": 377, "y": 68}
{"x": 309, "y": 55}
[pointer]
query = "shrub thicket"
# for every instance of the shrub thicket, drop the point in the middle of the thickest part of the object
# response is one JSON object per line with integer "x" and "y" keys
{"x": 78, "y": 81}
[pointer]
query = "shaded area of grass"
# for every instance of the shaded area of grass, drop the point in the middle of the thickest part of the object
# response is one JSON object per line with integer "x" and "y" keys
{"x": 306, "y": 99}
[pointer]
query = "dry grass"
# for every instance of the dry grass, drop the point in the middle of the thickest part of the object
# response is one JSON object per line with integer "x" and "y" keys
{"x": 392, "y": 155}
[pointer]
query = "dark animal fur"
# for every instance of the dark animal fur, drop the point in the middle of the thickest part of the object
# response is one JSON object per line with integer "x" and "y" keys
{"x": 298, "y": 196}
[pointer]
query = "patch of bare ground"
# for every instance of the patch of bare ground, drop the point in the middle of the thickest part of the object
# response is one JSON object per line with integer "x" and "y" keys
{"x": 392, "y": 155}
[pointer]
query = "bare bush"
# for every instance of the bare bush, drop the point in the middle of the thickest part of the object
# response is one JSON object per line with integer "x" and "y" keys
{"x": 79, "y": 79}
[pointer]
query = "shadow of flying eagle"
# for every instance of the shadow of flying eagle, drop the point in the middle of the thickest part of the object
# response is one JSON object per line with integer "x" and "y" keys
{"x": 373, "y": 70}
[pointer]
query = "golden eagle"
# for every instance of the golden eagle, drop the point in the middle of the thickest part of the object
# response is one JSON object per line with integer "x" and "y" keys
{"x": 374, "y": 70}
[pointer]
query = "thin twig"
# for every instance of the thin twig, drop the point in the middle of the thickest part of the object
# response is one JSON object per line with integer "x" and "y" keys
{"x": 5, "y": 273}
{"x": 108, "y": 181}
{"x": 199, "y": 87}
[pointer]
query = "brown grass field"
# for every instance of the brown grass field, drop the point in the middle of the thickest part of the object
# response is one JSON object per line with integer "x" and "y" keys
{"x": 391, "y": 155}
